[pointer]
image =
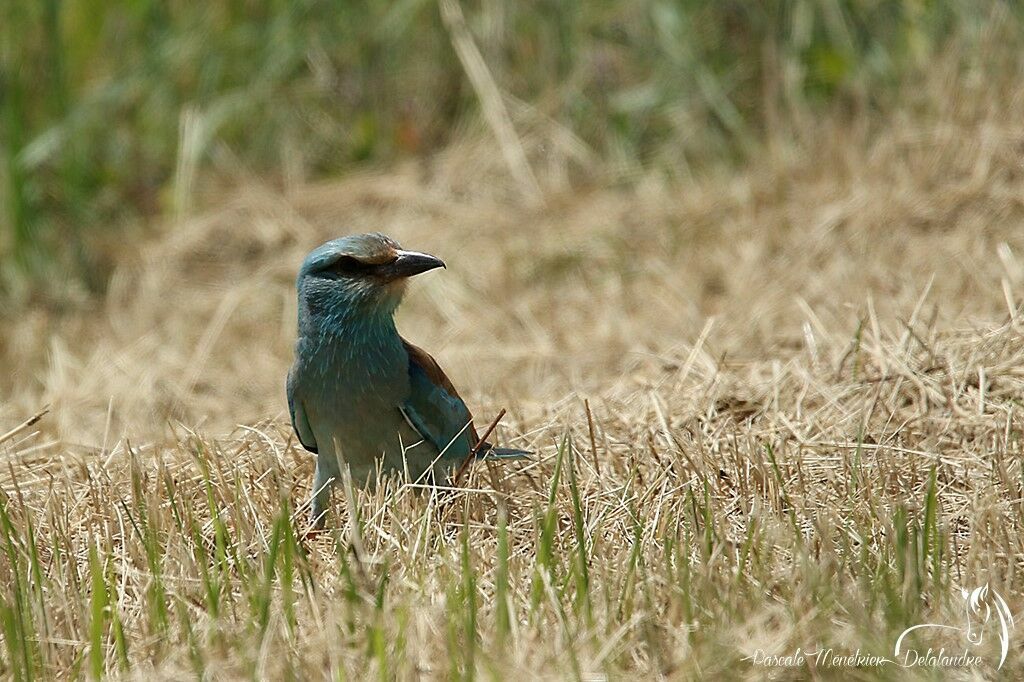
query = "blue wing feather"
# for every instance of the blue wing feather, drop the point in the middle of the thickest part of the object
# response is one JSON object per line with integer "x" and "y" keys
{"x": 435, "y": 409}
{"x": 299, "y": 420}
{"x": 438, "y": 412}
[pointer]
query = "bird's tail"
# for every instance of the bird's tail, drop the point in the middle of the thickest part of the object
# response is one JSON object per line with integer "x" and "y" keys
{"x": 489, "y": 452}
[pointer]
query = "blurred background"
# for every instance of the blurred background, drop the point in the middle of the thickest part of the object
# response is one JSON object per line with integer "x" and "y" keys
{"x": 164, "y": 166}
{"x": 115, "y": 113}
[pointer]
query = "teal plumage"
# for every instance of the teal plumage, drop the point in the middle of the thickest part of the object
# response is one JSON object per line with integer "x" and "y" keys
{"x": 359, "y": 394}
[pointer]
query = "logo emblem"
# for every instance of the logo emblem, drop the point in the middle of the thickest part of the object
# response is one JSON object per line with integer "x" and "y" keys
{"x": 982, "y": 606}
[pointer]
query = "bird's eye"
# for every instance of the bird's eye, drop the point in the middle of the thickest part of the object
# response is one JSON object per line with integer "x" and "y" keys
{"x": 347, "y": 265}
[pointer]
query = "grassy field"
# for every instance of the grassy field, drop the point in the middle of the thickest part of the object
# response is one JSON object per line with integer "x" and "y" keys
{"x": 775, "y": 407}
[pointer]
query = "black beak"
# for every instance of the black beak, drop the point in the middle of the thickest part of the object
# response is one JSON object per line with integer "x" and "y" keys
{"x": 410, "y": 263}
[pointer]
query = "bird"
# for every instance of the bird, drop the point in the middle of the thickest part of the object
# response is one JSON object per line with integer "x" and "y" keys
{"x": 359, "y": 394}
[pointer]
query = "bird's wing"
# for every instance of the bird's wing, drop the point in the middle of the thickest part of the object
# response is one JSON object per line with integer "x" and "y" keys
{"x": 435, "y": 408}
{"x": 299, "y": 421}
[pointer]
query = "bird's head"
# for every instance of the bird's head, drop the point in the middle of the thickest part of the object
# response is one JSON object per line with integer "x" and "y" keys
{"x": 360, "y": 272}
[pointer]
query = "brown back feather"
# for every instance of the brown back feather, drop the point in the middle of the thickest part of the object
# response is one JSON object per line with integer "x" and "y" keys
{"x": 438, "y": 377}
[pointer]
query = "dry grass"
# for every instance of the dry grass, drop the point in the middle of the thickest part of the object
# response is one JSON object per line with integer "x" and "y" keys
{"x": 804, "y": 380}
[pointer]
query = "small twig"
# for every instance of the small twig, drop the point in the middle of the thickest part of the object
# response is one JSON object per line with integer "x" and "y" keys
{"x": 593, "y": 441}
{"x": 476, "y": 448}
{"x": 18, "y": 429}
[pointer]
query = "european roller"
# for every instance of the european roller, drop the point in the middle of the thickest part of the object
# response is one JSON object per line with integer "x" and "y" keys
{"x": 359, "y": 394}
